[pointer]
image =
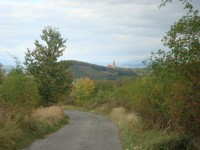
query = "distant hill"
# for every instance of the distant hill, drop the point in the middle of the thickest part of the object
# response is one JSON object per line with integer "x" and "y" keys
{"x": 83, "y": 69}
{"x": 96, "y": 72}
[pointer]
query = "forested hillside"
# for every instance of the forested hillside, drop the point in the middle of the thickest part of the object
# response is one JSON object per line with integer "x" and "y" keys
{"x": 83, "y": 69}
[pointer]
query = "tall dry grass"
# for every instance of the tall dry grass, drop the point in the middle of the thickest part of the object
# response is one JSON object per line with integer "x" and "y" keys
{"x": 17, "y": 124}
{"x": 10, "y": 129}
{"x": 121, "y": 117}
{"x": 48, "y": 115}
{"x": 135, "y": 137}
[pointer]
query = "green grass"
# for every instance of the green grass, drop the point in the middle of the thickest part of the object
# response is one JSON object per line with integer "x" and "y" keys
{"x": 31, "y": 137}
{"x": 135, "y": 135}
{"x": 75, "y": 108}
{"x": 148, "y": 140}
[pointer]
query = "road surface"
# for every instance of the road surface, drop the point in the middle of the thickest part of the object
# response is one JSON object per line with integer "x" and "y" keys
{"x": 86, "y": 131}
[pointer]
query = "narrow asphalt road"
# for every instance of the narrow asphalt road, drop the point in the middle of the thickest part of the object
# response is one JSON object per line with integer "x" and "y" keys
{"x": 86, "y": 131}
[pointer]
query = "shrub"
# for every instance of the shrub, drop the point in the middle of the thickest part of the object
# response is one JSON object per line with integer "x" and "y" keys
{"x": 48, "y": 115}
{"x": 19, "y": 89}
{"x": 135, "y": 137}
{"x": 20, "y": 126}
{"x": 83, "y": 91}
{"x": 103, "y": 92}
{"x": 9, "y": 129}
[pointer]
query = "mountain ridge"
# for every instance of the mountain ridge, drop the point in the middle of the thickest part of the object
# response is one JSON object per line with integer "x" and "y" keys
{"x": 82, "y": 69}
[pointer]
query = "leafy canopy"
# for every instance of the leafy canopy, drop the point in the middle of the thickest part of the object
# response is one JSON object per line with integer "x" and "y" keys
{"x": 183, "y": 40}
{"x": 42, "y": 63}
{"x": 180, "y": 69}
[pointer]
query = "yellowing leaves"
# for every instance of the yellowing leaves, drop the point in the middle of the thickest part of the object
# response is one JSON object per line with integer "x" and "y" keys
{"x": 83, "y": 91}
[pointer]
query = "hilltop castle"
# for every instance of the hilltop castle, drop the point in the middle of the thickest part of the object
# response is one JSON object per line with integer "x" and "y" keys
{"x": 113, "y": 65}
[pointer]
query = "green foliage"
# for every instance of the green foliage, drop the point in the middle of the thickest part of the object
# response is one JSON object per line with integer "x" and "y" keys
{"x": 153, "y": 99}
{"x": 90, "y": 93}
{"x": 53, "y": 77}
{"x": 123, "y": 94}
{"x": 154, "y": 140}
{"x": 83, "y": 91}
{"x": 146, "y": 96}
{"x": 103, "y": 91}
{"x": 180, "y": 69}
{"x": 10, "y": 129}
{"x": 19, "y": 89}
{"x": 186, "y": 3}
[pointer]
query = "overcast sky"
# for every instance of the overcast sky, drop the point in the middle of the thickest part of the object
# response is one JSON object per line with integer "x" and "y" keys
{"x": 98, "y": 31}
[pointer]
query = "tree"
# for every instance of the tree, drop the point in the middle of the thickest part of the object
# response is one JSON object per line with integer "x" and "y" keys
{"x": 83, "y": 91}
{"x": 53, "y": 77}
{"x": 183, "y": 40}
{"x": 182, "y": 64}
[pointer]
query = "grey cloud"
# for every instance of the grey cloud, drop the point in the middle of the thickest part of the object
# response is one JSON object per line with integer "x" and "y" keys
{"x": 96, "y": 29}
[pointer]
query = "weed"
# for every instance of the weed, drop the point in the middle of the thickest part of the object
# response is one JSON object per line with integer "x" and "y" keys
{"x": 19, "y": 127}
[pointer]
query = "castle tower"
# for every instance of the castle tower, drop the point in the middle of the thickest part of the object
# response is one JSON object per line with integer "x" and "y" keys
{"x": 114, "y": 66}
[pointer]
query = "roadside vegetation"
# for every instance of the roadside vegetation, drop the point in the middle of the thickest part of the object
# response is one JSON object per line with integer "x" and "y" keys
{"x": 161, "y": 108}
{"x": 29, "y": 95}
{"x": 19, "y": 126}
{"x": 138, "y": 108}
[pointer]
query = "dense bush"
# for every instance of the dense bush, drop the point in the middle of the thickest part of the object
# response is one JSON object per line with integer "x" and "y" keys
{"x": 160, "y": 101}
{"x": 103, "y": 92}
{"x": 182, "y": 65}
{"x": 83, "y": 91}
{"x": 19, "y": 89}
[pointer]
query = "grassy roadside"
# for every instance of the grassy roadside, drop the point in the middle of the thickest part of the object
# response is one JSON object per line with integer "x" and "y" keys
{"x": 30, "y": 137}
{"x": 75, "y": 108}
{"x": 134, "y": 136}
{"x": 19, "y": 128}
